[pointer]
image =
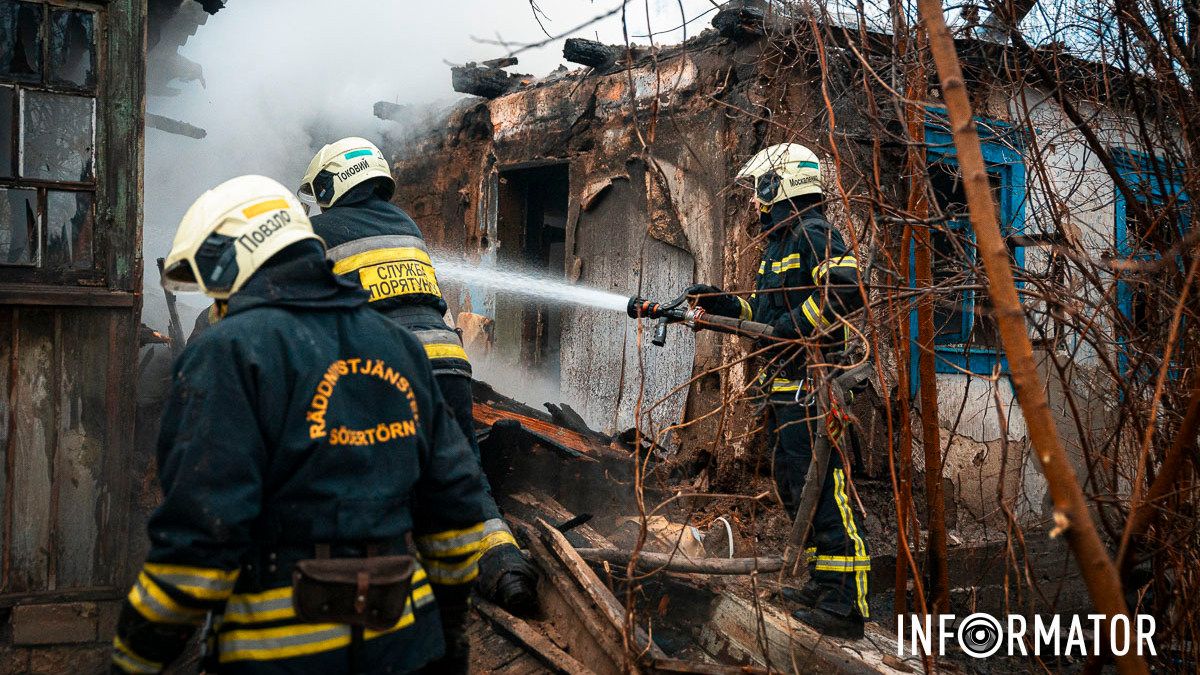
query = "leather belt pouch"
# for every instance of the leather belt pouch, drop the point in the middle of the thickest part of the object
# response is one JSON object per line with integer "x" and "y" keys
{"x": 367, "y": 592}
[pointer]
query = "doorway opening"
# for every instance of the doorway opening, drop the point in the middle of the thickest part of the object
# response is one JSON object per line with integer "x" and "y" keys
{"x": 531, "y": 225}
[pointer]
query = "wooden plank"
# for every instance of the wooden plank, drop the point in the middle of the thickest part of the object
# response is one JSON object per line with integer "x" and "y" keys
{"x": 692, "y": 667}
{"x": 525, "y": 665}
{"x": 649, "y": 561}
{"x": 82, "y": 431}
{"x": 33, "y": 447}
{"x": 738, "y": 629}
{"x": 592, "y": 587}
{"x": 41, "y": 295}
{"x": 542, "y": 506}
{"x": 554, "y": 658}
{"x": 120, "y": 143}
{"x": 489, "y": 651}
{"x": 573, "y": 615}
{"x": 113, "y": 562}
{"x": 8, "y": 432}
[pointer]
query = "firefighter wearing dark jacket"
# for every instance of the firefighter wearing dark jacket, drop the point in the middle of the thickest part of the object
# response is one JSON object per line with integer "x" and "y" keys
{"x": 376, "y": 245}
{"x": 303, "y": 428}
{"x": 807, "y": 280}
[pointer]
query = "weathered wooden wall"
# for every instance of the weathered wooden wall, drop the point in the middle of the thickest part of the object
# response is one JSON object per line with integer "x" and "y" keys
{"x": 67, "y": 379}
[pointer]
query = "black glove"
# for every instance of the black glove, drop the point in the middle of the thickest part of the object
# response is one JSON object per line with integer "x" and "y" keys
{"x": 509, "y": 579}
{"x": 787, "y": 326}
{"x": 714, "y": 300}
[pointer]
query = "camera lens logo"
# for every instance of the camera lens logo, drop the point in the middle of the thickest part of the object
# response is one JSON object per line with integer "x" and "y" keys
{"x": 979, "y": 635}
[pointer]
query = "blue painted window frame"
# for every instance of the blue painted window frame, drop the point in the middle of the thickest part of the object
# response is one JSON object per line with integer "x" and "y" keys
{"x": 1149, "y": 177}
{"x": 1001, "y": 144}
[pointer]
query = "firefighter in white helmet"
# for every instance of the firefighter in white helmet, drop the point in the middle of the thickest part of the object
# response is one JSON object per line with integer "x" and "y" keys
{"x": 377, "y": 246}
{"x": 304, "y": 444}
{"x": 807, "y": 280}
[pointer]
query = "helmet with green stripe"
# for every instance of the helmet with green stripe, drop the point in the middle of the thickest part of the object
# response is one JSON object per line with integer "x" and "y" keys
{"x": 230, "y": 231}
{"x": 341, "y": 166}
{"x": 782, "y": 172}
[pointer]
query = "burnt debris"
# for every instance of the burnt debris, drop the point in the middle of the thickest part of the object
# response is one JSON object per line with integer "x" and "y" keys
{"x": 485, "y": 80}
{"x": 591, "y": 53}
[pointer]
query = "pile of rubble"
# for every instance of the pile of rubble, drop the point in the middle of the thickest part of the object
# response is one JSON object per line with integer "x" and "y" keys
{"x": 571, "y": 496}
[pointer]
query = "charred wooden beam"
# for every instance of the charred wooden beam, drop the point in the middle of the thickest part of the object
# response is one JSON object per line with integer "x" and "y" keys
{"x": 212, "y": 6}
{"x": 538, "y": 644}
{"x": 176, "y": 127}
{"x": 591, "y": 53}
{"x": 678, "y": 562}
{"x": 392, "y": 112}
{"x": 502, "y": 62}
{"x": 483, "y": 80}
{"x": 742, "y": 19}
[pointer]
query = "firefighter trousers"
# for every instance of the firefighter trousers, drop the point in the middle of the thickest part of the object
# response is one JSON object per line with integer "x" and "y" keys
{"x": 839, "y": 560}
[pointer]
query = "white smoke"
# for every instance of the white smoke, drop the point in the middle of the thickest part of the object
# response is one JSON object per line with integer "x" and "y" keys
{"x": 283, "y": 77}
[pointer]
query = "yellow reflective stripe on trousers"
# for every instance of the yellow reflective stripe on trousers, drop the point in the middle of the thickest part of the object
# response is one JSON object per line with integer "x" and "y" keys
{"x": 450, "y": 542}
{"x": 780, "y": 385}
{"x": 842, "y": 261}
{"x": 842, "y": 563}
{"x": 860, "y": 549}
{"x": 153, "y": 603}
{"x": 129, "y": 661}
{"x": 203, "y": 583}
{"x": 747, "y": 312}
{"x": 269, "y": 644}
{"x": 813, "y": 313}
{"x": 445, "y": 351}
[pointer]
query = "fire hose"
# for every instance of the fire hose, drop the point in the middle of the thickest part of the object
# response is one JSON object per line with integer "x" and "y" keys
{"x": 832, "y": 398}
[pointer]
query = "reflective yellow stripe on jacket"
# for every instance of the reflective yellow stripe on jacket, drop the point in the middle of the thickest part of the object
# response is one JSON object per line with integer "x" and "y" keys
{"x": 845, "y": 261}
{"x": 451, "y": 557}
{"x": 388, "y": 266}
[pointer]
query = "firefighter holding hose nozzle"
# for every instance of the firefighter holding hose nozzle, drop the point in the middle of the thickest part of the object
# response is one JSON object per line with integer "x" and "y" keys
{"x": 806, "y": 280}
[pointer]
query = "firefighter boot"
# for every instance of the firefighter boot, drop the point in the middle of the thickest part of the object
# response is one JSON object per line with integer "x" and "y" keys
{"x": 808, "y": 595}
{"x": 831, "y": 623}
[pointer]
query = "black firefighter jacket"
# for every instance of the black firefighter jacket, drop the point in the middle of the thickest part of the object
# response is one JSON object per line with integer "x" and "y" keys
{"x": 807, "y": 280}
{"x": 302, "y": 418}
{"x": 376, "y": 245}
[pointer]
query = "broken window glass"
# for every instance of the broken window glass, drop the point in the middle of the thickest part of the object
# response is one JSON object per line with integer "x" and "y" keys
{"x": 69, "y": 221}
{"x": 57, "y": 136}
{"x": 961, "y": 315}
{"x": 7, "y": 130}
{"x": 72, "y": 48}
{"x": 18, "y": 227}
{"x": 20, "y": 41}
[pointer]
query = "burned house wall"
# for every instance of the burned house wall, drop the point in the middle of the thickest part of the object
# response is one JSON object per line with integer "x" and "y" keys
{"x": 668, "y": 217}
{"x": 638, "y": 223}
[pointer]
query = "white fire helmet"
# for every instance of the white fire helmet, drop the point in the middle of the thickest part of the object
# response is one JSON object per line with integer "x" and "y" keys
{"x": 230, "y": 231}
{"x": 340, "y": 166}
{"x": 781, "y": 172}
